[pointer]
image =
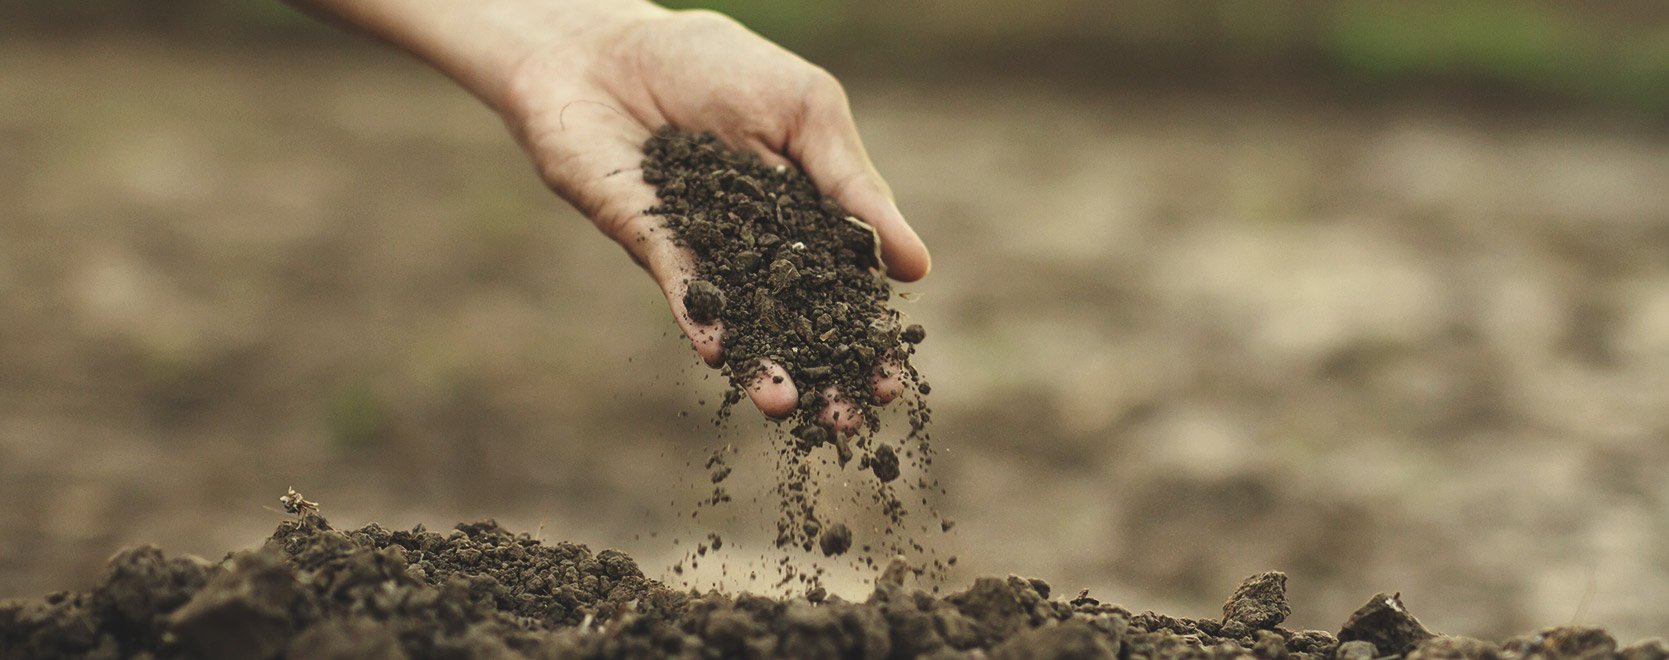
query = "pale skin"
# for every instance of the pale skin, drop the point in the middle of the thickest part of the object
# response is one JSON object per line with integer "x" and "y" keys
{"x": 582, "y": 84}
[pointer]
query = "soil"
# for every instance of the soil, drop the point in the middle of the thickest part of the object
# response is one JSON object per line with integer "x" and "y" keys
{"x": 480, "y": 591}
{"x": 793, "y": 277}
{"x": 1213, "y": 333}
{"x": 797, "y": 281}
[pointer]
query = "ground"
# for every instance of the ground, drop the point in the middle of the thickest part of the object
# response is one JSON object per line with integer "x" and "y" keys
{"x": 1176, "y": 337}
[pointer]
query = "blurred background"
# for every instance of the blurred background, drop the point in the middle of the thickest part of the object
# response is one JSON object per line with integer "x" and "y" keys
{"x": 1376, "y": 294}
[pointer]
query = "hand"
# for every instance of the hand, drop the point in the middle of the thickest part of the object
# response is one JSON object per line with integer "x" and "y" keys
{"x": 584, "y": 107}
{"x": 583, "y": 83}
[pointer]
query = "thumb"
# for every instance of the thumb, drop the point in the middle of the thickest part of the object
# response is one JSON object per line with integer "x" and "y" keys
{"x": 828, "y": 147}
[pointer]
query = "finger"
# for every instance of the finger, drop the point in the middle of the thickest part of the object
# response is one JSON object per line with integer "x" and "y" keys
{"x": 889, "y": 382}
{"x": 773, "y": 391}
{"x": 767, "y": 155}
{"x": 705, "y": 338}
{"x": 828, "y": 147}
{"x": 839, "y": 414}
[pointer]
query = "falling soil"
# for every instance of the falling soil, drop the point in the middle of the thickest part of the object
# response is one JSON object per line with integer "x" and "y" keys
{"x": 480, "y": 591}
{"x": 796, "y": 281}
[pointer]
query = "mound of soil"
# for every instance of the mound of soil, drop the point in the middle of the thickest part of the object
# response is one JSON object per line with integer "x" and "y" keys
{"x": 480, "y": 591}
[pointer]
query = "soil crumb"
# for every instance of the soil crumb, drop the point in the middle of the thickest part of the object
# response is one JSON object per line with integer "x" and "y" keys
{"x": 703, "y": 301}
{"x": 796, "y": 281}
{"x": 836, "y": 540}
{"x": 1259, "y": 604}
{"x": 480, "y": 591}
{"x": 1386, "y": 624}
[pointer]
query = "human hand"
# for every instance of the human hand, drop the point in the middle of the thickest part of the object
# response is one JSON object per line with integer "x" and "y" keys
{"x": 583, "y": 83}
{"x": 583, "y": 107}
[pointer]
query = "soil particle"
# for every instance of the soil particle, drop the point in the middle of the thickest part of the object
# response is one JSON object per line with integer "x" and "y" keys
{"x": 1386, "y": 624}
{"x": 884, "y": 463}
{"x": 1260, "y": 603}
{"x": 836, "y": 540}
{"x": 913, "y": 334}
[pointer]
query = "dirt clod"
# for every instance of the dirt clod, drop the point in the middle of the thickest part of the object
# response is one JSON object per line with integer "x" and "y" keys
{"x": 1386, "y": 624}
{"x": 884, "y": 463}
{"x": 703, "y": 301}
{"x": 1260, "y": 602}
{"x": 913, "y": 334}
{"x": 836, "y": 540}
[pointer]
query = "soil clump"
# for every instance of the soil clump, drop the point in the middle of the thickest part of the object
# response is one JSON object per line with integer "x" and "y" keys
{"x": 480, "y": 591}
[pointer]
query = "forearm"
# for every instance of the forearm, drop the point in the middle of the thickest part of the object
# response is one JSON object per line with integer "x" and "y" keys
{"x": 480, "y": 43}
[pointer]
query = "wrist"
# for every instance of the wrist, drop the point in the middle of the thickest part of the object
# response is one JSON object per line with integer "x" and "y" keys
{"x": 528, "y": 33}
{"x": 483, "y": 44}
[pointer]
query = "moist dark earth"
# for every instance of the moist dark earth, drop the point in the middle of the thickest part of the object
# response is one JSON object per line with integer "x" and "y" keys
{"x": 797, "y": 281}
{"x": 481, "y": 591}
{"x": 794, "y": 278}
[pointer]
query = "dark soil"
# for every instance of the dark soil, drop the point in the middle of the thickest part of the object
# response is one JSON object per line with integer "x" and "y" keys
{"x": 794, "y": 278}
{"x": 797, "y": 281}
{"x": 480, "y": 591}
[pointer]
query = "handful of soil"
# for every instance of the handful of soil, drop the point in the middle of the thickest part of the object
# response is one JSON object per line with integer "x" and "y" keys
{"x": 794, "y": 278}
{"x": 799, "y": 282}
